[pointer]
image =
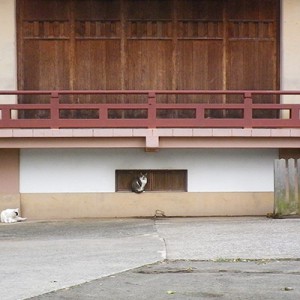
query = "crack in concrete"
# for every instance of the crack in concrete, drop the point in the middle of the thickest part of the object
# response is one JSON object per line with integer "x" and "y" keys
{"x": 164, "y": 252}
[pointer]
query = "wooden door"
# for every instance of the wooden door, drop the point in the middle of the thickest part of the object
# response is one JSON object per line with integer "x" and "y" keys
{"x": 148, "y": 44}
{"x": 252, "y": 48}
{"x": 43, "y": 49}
{"x": 149, "y": 47}
{"x": 97, "y": 44}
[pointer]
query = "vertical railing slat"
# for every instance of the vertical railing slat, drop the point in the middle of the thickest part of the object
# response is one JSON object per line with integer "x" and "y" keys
{"x": 152, "y": 110}
{"x": 54, "y": 110}
{"x": 247, "y": 110}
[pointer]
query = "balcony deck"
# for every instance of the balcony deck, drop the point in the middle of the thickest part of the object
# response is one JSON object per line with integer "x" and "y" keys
{"x": 151, "y": 130}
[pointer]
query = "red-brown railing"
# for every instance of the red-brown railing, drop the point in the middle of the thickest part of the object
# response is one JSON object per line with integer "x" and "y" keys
{"x": 202, "y": 116}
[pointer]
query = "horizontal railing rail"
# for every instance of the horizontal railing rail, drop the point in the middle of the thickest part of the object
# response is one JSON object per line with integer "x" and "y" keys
{"x": 150, "y": 113}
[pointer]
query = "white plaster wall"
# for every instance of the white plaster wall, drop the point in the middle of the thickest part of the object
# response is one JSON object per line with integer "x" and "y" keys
{"x": 93, "y": 170}
{"x": 8, "y": 52}
{"x": 290, "y": 45}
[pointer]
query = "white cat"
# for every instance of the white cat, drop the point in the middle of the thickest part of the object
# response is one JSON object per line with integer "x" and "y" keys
{"x": 11, "y": 215}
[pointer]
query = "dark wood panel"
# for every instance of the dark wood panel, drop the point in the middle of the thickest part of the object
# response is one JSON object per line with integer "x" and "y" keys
{"x": 97, "y": 10}
{"x": 149, "y": 29}
{"x": 169, "y": 180}
{"x": 252, "y": 10}
{"x": 51, "y": 64}
{"x": 47, "y": 64}
{"x": 200, "y": 9}
{"x": 258, "y": 61}
{"x": 44, "y": 9}
{"x": 287, "y": 153}
{"x": 98, "y": 67}
{"x": 46, "y": 68}
{"x": 200, "y": 66}
{"x": 250, "y": 65}
{"x": 149, "y": 64}
{"x": 149, "y": 9}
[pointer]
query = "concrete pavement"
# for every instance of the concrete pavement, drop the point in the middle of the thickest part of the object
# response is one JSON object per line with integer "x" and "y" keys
{"x": 189, "y": 280}
{"x": 107, "y": 258}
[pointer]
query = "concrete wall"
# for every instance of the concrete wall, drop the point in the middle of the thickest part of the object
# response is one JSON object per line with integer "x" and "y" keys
{"x": 95, "y": 205}
{"x": 9, "y": 178}
{"x": 93, "y": 170}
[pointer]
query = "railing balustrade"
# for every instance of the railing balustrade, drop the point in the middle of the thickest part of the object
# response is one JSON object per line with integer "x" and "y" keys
{"x": 151, "y": 113}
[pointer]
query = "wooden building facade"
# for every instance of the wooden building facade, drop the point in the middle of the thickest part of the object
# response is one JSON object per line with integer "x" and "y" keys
{"x": 205, "y": 85}
{"x": 151, "y": 44}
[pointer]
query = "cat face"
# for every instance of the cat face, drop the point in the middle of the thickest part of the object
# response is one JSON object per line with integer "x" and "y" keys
{"x": 12, "y": 212}
{"x": 143, "y": 177}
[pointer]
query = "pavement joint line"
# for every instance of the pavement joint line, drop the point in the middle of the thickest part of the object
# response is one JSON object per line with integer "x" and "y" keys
{"x": 162, "y": 260}
{"x": 96, "y": 279}
{"x": 164, "y": 252}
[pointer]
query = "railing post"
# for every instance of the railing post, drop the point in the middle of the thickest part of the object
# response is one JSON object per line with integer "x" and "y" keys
{"x": 248, "y": 110}
{"x": 152, "y": 110}
{"x": 294, "y": 115}
{"x": 103, "y": 113}
{"x": 54, "y": 111}
{"x": 5, "y": 115}
{"x": 200, "y": 113}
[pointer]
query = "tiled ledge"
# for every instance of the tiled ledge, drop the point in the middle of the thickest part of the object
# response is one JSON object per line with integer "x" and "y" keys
{"x": 160, "y": 132}
{"x": 189, "y": 137}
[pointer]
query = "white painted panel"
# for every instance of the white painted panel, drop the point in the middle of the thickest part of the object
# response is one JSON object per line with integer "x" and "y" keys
{"x": 93, "y": 170}
{"x": 290, "y": 41}
{"x": 8, "y": 56}
{"x": 290, "y": 54}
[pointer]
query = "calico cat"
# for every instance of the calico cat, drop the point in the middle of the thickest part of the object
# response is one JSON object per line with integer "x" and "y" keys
{"x": 138, "y": 184}
{"x": 11, "y": 215}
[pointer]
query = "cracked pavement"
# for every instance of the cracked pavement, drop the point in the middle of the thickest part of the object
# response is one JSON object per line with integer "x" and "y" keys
{"x": 182, "y": 258}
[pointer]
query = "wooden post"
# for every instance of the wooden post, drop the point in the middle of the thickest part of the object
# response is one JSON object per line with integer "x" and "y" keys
{"x": 286, "y": 187}
{"x": 247, "y": 110}
{"x": 54, "y": 110}
{"x": 292, "y": 186}
{"x": 298, "y": 184}
{"x": 200, "y": 114}
{"x": 280, "y": 187}
{"x": 294, "y": 116}
{"x": 152, "y": 110}
{"x": 5, "y": 115}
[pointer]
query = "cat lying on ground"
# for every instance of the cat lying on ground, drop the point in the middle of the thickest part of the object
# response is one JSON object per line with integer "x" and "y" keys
{"x": 138, "y": 184}
{"x": 11, "y": 215}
